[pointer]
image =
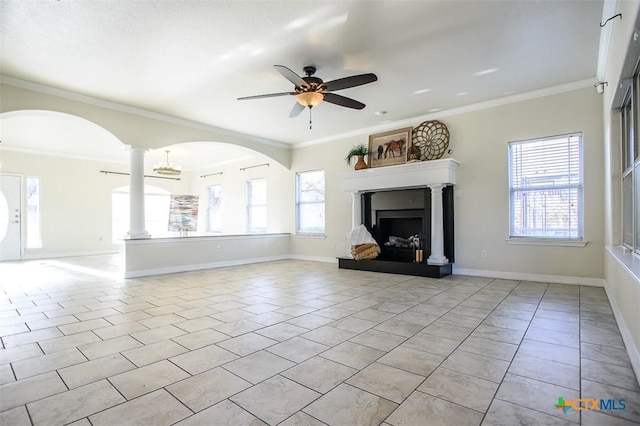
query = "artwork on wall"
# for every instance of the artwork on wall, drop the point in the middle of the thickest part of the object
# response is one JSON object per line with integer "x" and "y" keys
{"x": 388, "y": 148}
{"x": 183, "y": 213}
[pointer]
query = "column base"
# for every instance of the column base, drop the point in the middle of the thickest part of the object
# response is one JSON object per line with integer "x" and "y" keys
{"x": 437, "y": 260}
{"x": 138, "y": 235}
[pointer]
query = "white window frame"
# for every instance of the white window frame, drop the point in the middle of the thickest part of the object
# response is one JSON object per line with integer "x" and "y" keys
{"x": 630, "y": 165}
{"x": 300, "y": 204}
{"x": 34, "y": 224}
{"x": 214, "y": 209}
{"x": 251, "y": 207}
{"x": 514, "y": 190}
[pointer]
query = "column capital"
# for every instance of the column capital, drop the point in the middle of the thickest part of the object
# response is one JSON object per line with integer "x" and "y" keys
{"x": 436, "y": 187}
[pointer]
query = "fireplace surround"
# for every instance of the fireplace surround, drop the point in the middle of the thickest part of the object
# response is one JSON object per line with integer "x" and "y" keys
{"x": 435, "y": 181}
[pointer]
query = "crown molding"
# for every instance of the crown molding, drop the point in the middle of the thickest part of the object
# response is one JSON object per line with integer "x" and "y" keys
{"x": 48, "y": 90}
{"x": 519, "y": 97}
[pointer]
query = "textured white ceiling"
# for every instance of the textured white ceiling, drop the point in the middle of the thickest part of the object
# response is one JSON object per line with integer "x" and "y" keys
{"x": 192, "y": 59}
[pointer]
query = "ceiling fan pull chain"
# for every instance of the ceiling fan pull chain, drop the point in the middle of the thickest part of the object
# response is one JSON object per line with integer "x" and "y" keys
{"x": 310, "y": 127}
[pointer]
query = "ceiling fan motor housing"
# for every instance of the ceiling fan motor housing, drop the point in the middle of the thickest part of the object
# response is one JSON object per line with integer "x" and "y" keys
{"x": 315, "y": 84}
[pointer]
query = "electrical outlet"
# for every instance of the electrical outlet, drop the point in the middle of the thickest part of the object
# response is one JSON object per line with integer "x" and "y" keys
{"x": 483, "y": 253}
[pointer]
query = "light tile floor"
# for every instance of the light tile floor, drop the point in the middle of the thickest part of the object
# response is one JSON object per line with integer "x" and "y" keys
{"x": 302, "y": 343}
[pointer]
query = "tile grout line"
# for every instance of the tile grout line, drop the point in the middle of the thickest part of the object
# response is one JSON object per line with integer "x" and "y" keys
{"x": 554, "y": 384}
{"x": 580, "y": 349}
{"x": 336, "y": 305}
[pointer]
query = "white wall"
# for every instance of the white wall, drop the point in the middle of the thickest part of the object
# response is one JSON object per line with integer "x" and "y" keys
{"x": 170, "y": 255}
{"x": 329, "y": 157}
{"x": 479, "y": 141}
{"x": 75, "y": 200}
{"x": 622, "y": 269}
{"x": 280, "y": 195}
{"x": 73, "y": 190}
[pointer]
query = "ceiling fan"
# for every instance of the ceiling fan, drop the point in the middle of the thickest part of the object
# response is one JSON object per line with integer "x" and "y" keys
{"x": 310, "y": 91}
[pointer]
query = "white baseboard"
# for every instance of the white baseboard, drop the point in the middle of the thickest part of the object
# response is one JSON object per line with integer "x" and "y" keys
{"x": 632, "y": 349}
{"x": 314, "y": 258}
{"x": 200, "y": 266}
{"x": 223, "y": 264}
{"x": 520, "y": 276}
{"x": 36, "y": 256}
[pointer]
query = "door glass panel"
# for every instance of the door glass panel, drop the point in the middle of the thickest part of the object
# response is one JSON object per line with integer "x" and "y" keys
{"x": 4, "y": 216}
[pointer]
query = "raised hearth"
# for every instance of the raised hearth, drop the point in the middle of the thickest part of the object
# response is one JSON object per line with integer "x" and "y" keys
{"x": 391, "y": 267}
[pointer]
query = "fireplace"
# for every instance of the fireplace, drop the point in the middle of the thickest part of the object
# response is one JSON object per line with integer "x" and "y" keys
{"x": 435, "y": 181}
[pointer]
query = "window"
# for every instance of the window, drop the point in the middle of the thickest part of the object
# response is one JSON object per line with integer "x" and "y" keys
{"x": 33, "y": 213}
{"x": 545, "y": 188}
{"x": 257, "y": 205}
{"x": 310, "y": 202}
{"x": 630, "y": 169}
{"x": 156, "y": 212}
{"x": 214, "y": 208}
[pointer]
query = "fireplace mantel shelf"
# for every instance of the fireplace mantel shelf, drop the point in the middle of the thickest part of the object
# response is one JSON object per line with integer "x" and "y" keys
{"x": 402, "y": 176}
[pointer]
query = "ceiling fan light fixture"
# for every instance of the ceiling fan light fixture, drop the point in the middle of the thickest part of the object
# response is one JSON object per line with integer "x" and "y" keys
{"x": 167, "y": 168}
{"x": 309, "y": 99}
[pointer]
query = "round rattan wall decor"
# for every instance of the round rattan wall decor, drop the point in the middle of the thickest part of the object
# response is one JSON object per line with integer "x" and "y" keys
{"x": 432, "y": 137}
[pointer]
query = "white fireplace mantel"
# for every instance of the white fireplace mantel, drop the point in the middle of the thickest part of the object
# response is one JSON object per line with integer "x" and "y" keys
{"x": 434, "y": 174}
{"x": 401, "y": 176}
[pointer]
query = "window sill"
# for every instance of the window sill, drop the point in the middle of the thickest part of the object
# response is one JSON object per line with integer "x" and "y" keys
{"x": 310, "y": 235}
{"x": 627, "y": 258}
{"x": 546, "y": 242}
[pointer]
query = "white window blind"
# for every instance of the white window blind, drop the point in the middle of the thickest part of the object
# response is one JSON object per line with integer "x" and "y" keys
{"x": 545, "y": 188}
{"x": 214, "y": 208}
{"x": 257, "y": 205}
{"x": 310, "y": 202}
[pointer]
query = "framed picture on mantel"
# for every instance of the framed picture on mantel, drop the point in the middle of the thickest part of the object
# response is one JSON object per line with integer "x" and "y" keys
{"x": 389, "y": 148}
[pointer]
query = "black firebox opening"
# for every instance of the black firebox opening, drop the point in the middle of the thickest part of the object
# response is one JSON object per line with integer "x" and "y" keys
{"x": 398, "y": 223}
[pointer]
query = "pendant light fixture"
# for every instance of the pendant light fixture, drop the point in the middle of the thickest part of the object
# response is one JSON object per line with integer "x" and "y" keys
{"x": 167, "y": 168}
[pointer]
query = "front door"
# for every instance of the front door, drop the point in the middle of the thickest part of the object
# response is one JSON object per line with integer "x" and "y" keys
{"x": 10, "y": 218}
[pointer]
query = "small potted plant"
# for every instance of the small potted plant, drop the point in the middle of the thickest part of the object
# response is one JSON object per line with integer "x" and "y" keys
{"x": 358, "y": 151}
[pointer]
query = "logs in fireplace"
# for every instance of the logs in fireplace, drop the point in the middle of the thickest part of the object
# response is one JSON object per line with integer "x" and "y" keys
{"x": 398, "y": 232}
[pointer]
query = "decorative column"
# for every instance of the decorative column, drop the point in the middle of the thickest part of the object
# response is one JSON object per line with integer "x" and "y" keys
{"x": 137, "y": 228}
{"x": 437, "y": 228}
{"x": 356, "y": 210}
